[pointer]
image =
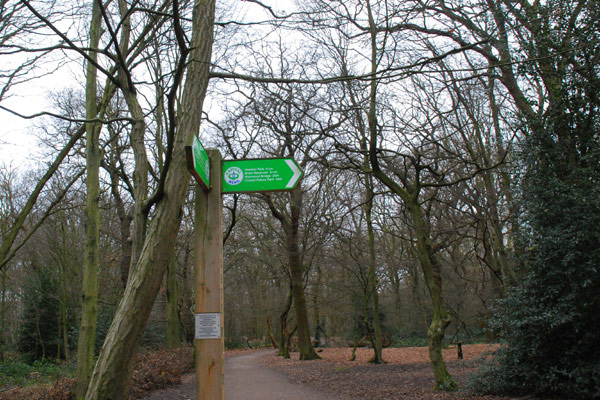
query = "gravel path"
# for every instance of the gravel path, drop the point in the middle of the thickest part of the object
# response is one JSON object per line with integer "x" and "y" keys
{"x": 247, "y": 379}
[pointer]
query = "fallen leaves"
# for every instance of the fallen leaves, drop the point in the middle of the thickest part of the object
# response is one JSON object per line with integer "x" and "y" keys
{"x": 158, "y": 369}
{"x": 406, "y": 375}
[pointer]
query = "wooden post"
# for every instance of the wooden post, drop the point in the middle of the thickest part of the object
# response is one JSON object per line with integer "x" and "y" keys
{"x": 209, "y": 340}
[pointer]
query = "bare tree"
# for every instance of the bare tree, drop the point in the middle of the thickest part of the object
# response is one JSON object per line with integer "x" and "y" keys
{"x": 411, "y": 150}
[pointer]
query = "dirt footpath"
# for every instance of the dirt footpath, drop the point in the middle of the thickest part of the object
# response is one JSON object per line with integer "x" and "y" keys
{"x": 247, "y": 379}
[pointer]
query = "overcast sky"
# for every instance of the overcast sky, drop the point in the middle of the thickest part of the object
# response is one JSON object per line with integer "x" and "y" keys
{"x": 18, "y": 142}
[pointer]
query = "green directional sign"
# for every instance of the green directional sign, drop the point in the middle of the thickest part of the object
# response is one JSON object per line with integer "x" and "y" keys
{"x": 198, "y": 163}
{"x": 260, "y": 175}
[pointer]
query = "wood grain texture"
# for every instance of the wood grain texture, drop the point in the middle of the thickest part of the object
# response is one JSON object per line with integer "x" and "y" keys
{"x": 210, "y": 362}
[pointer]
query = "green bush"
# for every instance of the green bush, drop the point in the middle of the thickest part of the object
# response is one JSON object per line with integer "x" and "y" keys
{"x": 14, "y": 373}
{"x": 19, "y": 373}
{"x": 551, "y": 320}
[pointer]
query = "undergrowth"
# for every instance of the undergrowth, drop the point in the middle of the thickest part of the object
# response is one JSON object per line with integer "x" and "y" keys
{"x": 44, "y": 380}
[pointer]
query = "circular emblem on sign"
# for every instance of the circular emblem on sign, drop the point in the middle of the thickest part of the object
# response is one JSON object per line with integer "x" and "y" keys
{"x": 233, "y": 175}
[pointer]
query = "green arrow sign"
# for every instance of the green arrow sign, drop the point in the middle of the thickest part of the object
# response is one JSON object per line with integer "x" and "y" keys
{"x": 260, "y": 175}
{"x": 198, "y": 163}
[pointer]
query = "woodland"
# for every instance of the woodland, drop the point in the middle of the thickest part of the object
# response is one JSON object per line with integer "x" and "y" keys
{"x": 451, "y": 194}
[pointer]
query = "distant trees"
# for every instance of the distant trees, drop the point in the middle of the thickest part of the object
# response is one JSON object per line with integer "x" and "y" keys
{"x": 40, "y": 289}
{"x": 39, "y": 335}
{"x": 415, "y": 128}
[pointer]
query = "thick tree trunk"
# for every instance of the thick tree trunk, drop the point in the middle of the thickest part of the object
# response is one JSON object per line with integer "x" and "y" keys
{"x": 126, "y": 248}
{"x": 89, "y": 307}
{"x": 112, "y": 374}
{"x": 114, "y": 367}
{"x": 433, "y": 280}
{"x": 356, "y": 335}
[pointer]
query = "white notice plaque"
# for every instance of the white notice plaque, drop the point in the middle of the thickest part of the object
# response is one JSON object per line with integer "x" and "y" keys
{"x": 208, "y": 326}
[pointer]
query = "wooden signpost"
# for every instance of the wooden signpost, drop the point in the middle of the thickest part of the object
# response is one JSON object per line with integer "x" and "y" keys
{"x": 213, "y": 178}
{"x": 209, "y": 337}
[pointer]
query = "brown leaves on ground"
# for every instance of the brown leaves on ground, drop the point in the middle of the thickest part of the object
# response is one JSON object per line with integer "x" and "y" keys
{"x": 406, "y": 375}
{"x": 62, "y": 389}
{"x": 158, "y": 369}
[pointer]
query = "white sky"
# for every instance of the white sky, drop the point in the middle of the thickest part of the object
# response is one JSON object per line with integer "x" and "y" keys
{"x": 18, "y": 143}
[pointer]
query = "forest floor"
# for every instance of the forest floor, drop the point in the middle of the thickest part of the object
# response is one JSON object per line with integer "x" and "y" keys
{"x": 406, "y": 374}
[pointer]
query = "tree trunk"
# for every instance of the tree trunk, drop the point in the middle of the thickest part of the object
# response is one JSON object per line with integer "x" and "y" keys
{"x": 125, "y": 218}
{"x": 112, "y": 374}
{"x": 372, "y": 284}
{"x": 433, "y": 280}
{"x": 317, "y": 309}
{"x": 307, "y": 352}
{"x": 284, "y": 339}
{"x": 296, "y": 270}
{"x": 305, "y": 347}
{"x": 89, "y": 307}
{"x": 63, "y": 288}
{"x": 173, "y": 322}
{"x": 137, "y": 138}
{"x": 270, "y": 333}
{"x": 397, "y": 299}
{"x": 3, "y": 316}
{"x": 356, "y": 335}
{"x": 186, "y": 316}
{"x": 432, "y": 273}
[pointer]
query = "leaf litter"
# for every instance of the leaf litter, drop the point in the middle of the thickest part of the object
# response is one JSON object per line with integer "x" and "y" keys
{"x": 406, "y": 373}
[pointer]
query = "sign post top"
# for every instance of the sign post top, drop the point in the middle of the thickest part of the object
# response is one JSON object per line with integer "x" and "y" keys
{"x": 260, "y": 175}
{"x": 198, "y": 163}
